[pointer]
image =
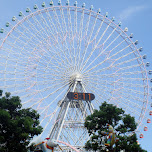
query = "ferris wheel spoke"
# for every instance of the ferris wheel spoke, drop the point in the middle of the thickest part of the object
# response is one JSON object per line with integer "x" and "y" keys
{"x": 102, "y": 83}
{"x": 128, "y": 73}
{"x": 48, "y": 120}
{"x": 63, "y": 86}
{"x": 130, "y": 67}
{"x": 89, "y": 40}
{"x": 23, "y": 28}
{"x": 87, "y": 24}
{"x": 57, "y": 56}
{"x": 66, "y": 31}
{"x": 20, "y": 34}
{"x": 56, "y": 64}
{"x": 134, "y": 91}
{"x": 129, "y": 109}
{"x": 127, "y": 61}
{"x": 109, "y": 36}
{"x": 122, "y": 55}
{"x": 48, "y": 106}
{"x": 37, "y": 22}
{"x": 50, "y": 19}
{"x": 63, "y": 53}
{"x": 99, "y": 95}
{"x": 45, "y": 23}
{"x": 108, "y": 58}
{"x": 23, "y": 34}
{"x": 35, "y": 34}
{"x": 56, "y": 85}
{"x": 110, "y": 67}
{"x": 45, "y": 74}
{"x": 127, "y": 106}
{"x": 127, "y": 95}
{"x": 112, "y": 42}
{"x": 96, "y": 100}
{"x": 113, "y": 75}
{"x": 85, "y": 38}
{"x": 131, "y": 97}
{"x": 43, "y": 90}
{"x": 112, "y": 64}
{"x": 75, "y": 32}
{"x": 71, "y": 36}
{"x": 97, "y": 32}
{"x": 80, "y": 39}
{"x": 28, "y": 95}
{"x": 57, "y": 33}
{"x": 12, "y": 45}
{"x": 119, "y": 82}
{"x": 119, "y": 44}
{"x": 21, "y": 62}
{"x": 102, "y": 47}
{"x": 49, "y": 44}
{"x": 104, "y": 89}
{"x": 95, "y": 47}
{"x": 58, "y": 25}
{"x": 17, "y": 85}
{"x": 16, "y": 91}
{"x": 21, "y": 42}
{"x": 57, "y": 98}
{"x": 14, "y": 48}
{"x": 92, "y": 30}
{"x": 53, "y": 81}
{"x": 51, "y": 74}
{"x": 52, "y": 23}
{"x": 60, "y": 29}
{"x": 127, "y": 84}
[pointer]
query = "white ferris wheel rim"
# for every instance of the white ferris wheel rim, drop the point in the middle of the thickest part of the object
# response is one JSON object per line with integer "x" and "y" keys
{"x": 130, "y": 42}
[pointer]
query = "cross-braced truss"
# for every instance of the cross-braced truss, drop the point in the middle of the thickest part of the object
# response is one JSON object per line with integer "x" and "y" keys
{"x": 69, "y": 126}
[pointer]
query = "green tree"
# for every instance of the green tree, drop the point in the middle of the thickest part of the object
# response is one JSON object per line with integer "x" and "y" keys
{"x": 123, "y": 124}
{"x": 17, "y": 125}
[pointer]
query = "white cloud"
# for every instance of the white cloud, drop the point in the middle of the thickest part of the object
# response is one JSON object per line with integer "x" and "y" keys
{"x": 131, "y": 11}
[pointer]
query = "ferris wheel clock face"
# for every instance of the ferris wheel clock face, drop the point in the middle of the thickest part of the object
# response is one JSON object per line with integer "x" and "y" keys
{"x": 80, "y": 96}
{"x": 54, "y": 51}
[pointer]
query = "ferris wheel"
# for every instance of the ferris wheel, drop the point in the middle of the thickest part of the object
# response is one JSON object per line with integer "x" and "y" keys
{"x": 50, "y": 51}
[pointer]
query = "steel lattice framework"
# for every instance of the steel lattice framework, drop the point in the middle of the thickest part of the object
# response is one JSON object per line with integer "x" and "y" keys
{"x": 51, "y": 51}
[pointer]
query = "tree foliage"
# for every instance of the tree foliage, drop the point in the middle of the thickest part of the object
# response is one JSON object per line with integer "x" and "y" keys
{"x": 123, "y": 124}
{"x": 17, "y": 125}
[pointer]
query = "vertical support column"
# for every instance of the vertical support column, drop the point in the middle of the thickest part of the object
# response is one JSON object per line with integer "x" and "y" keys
{"x": 55, "y": 133}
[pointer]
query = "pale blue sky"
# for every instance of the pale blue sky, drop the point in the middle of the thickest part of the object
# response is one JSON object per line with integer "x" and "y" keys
{"x": 134, "y": 14}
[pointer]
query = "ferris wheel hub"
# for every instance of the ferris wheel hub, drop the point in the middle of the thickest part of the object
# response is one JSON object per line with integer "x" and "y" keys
{"x": 76, "y": 77}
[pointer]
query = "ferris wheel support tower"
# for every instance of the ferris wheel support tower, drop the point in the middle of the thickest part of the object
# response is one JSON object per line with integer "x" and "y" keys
{"x": 72, "y": 116}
